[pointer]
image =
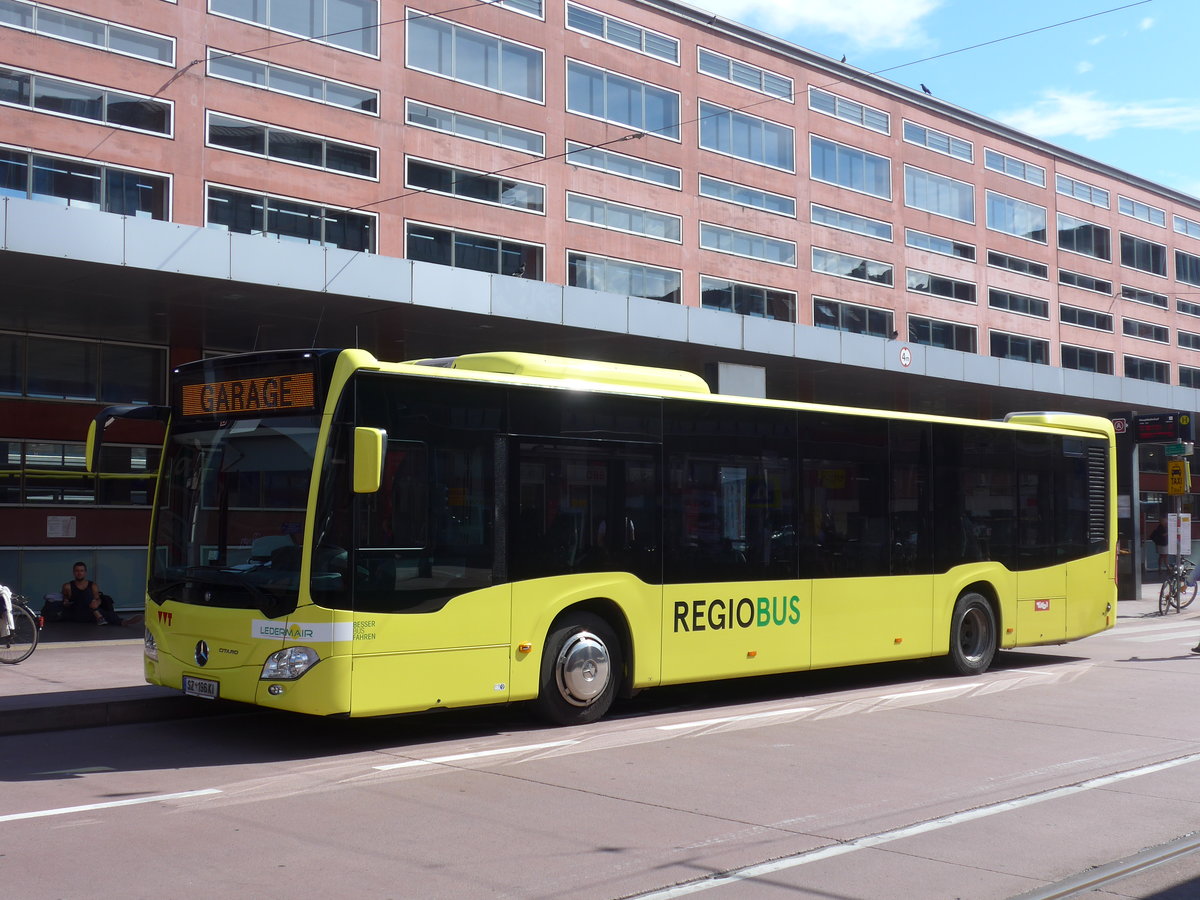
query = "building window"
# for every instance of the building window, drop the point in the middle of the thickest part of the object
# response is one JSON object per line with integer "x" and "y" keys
{"x": 1018, "y": 303}
{"x": 1186, "y": 226}
{"x": 727, "y": 68}
{"x": 1014, "y": 168}
{"x": 282, "y": 80}
{"x": 843, "y": 265}
{"x": 618, "y": 276}
{"x": 1186, "y": 308}
{"x": 1189, "y": 340}
{"x": 62, "y": 369}
{"x": 844, "y": 221}
{"x": 622, "y": 33}
{"x": 747, "y": 196}
{"x": 474, "y": 128}
{"x": 1081, "y": 190}
{"x": 527, "y": 7}
{"x": 1187, "y": 268}
{"x": 1147, "y": 370}
{"x": 1017, "y": 264}
{"x": 938, "y": 141}
{"x": 1145, "y": 331}
{"x": 1138, "y": 253}
{"x": 99, "y": 33}
{"x": 294, "y": 147}
{"x": 1085, "y": 359}
{"x": 939, "y": 195}
{"x": 947, "y": 335}
{"x": 479, "y": 252}
{"x": 849, "y": 110}
{"x": 747, "y": 299}
{"x": 852, "y": 317}
{"x": 619, "y": 217}
{"x": 747, "y": 137}
{"x": 1085, "y": 282}
{"x": 850, "y": 167}
{"x": 290, "y": 220}
{"x": 1085, "y": 318}
{"x": 748, "y": 244}
{"x": 1086, "y": 238}
{"x": 39, "y": 472}
{"x": 919, "y": 240}
{"x": 939, "y": 286}
{"x": 623, "y": 166}
{"x": 468, "y": 185}
{"x": 1143, "y": 211}
{"x": 625, "y": 101}
{"x": 1137, "y": 295}
{"x": 1020, "y": 347}
{"x": 1016, "y": 217}
{"x": 77, "y": 100}
{"x": 54, "y": 179}
{"x": 473, "y": 57}
{"x": 349, "y": 24}
{"x": 1189, "y": 377}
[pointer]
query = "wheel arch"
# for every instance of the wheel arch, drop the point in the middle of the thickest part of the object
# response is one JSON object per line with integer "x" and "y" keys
{"x": 612, "y": 613}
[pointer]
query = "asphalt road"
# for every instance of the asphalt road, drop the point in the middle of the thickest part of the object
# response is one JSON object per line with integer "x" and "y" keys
{"x": 1063, "y": 769}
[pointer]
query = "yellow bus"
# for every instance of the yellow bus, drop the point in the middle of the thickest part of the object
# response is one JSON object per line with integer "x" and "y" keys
{"x": 340, "y": 536}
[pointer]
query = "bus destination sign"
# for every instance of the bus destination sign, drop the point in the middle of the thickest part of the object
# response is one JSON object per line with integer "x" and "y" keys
{"x": 246, "y": 396}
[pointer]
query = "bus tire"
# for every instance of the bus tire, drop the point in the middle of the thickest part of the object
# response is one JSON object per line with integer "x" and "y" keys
{"x": 972, "y": 635}
{"x": 580, "y": 670}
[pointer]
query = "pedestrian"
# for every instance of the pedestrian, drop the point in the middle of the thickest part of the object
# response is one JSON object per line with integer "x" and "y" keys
{"x": 1159, "y": 537}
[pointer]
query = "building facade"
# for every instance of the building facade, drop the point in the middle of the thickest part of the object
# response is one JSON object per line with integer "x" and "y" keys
{"x": 632, "y": 180}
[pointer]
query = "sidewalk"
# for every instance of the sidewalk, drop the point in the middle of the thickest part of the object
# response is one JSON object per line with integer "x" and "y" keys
{"x": 83, "y": 675}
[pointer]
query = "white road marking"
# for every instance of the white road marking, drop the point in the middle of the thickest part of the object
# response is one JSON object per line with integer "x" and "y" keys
{"x": 66, "y": 810}
{"x": 479, "y": 754}
{"x": 886, "y": 837}
{"x": 748, "y": 717}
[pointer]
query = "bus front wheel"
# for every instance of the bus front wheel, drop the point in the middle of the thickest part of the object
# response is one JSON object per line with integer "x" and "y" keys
{"x": 580, "y": 670}
{"x": 972, "y": 635}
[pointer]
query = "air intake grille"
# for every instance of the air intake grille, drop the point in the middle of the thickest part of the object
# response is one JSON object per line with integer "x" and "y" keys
{"x": 1097, "y": 475}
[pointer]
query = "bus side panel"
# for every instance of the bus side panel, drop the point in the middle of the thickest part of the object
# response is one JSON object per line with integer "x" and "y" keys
{"x": 866, "y": 620}
{"x": 735, "y": 629}
{"x": 1041, "y": 605}
{"x": 1093, "y": 594}
{"x": 537, "y": 603}
{"x": 455, "y": 656}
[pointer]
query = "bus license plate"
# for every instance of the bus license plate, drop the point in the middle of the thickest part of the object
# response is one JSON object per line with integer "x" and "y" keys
{"x": 201, "y": 687}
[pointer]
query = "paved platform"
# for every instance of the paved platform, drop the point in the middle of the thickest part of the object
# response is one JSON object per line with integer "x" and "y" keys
{"x": 83, "y": 675}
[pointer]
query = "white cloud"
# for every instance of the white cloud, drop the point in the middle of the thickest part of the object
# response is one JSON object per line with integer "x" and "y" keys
{"x": 1098, "y": 39}
{"x": 1061, "y": 113}
{"x": 1083, "y": 67}
{"x": 864, "y": 23}
{"x": 1146, "y": 23}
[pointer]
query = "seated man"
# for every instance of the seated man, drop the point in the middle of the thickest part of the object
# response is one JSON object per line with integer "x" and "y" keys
{"x": 81, "y": 599}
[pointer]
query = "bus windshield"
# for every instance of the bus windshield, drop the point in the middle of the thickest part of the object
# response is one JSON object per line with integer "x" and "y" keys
{"x": 231, "y": 508}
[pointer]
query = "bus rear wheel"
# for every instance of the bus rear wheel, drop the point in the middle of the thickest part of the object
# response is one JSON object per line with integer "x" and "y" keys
{"x": 972, "y": 635}
{"x": 580, "y": 670}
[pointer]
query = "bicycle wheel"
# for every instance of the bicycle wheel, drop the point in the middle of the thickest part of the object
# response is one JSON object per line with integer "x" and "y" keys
{"x": 23, "y": 640}
{"x": 1168, "y": 597}
{"x": 1187, "y": 594}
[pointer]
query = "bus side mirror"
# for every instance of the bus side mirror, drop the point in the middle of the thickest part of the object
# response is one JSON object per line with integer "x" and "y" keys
{"x": 368, "y": 459}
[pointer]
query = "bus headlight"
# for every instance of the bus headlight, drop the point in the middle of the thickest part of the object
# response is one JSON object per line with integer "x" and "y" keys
{"x": 288, "y": 664}
{"x": 150, "y": 646}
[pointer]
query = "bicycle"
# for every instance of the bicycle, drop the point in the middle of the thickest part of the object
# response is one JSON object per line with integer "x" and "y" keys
{"x": 19, "y": 642}
{"x": 1176, "y": 594}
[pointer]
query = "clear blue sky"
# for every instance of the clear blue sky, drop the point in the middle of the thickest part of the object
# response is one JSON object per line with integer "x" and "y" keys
{"x": 1122, "y": 87}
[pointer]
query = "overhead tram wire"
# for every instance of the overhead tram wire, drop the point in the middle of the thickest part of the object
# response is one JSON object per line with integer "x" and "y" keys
{"x": 633, "y": 135}
{"x": 790, "y": 98}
